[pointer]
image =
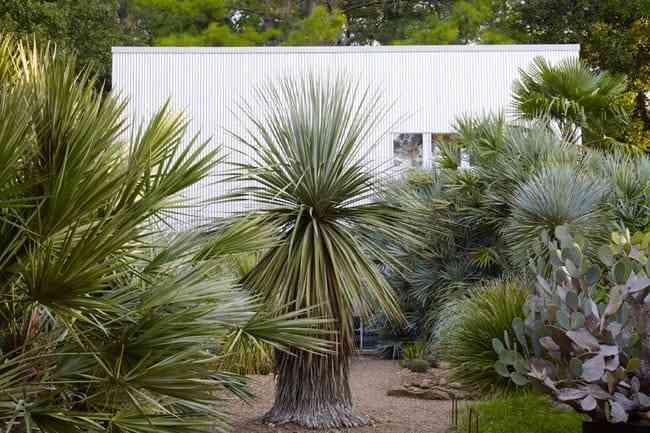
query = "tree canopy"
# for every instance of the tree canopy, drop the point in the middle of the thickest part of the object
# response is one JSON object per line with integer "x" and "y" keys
{"x": 614, "y": 34}
{"x": 89, "y": 27}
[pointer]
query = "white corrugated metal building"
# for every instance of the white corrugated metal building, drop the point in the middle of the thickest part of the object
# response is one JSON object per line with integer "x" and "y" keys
{"x": 431, "y": 85}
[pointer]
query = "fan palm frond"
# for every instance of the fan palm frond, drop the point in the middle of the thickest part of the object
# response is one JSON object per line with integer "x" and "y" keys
{"x": 575, "y": 96}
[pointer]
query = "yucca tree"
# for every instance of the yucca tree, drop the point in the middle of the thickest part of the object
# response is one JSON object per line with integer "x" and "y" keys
{"x": 310, "y": 180}
{"x": 574, "y": 96}
{"x": 107, "y": 325}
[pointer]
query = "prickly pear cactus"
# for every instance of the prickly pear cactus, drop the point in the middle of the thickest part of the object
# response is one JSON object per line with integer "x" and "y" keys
{"x": 584, "y": 353}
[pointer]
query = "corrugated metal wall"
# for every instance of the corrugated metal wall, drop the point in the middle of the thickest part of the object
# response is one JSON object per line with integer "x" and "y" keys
{"x": 430, "y": 85}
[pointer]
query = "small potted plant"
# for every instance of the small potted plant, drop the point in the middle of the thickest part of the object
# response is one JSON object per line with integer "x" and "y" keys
{"x": 591, "y": 356}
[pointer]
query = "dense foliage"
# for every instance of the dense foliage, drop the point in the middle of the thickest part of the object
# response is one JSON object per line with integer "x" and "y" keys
{"x": 482, "y": 223}
{"x": 614, "y": 35}
{"x": 89, "y": 28}
{"x": 106, "y": 324}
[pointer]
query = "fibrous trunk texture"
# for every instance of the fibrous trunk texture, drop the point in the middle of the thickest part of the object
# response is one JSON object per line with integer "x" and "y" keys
{"x": 643, "y": 108}
{"x": 313, "y": 391}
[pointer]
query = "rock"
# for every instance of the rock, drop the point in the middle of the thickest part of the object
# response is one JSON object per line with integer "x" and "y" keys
{"x": 432, "y": 385}
{"x": 423, "y": 394}
{"x": 444, "y": 365}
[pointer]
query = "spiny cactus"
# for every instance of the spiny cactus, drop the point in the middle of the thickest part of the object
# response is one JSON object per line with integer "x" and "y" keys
{"x": 582, "y": 352}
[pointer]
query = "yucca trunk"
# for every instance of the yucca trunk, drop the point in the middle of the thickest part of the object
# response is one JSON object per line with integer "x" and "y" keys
{"x": 313, "y": 391}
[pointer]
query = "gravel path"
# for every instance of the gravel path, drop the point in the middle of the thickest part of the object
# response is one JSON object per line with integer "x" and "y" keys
{"x": 370, "y": 379}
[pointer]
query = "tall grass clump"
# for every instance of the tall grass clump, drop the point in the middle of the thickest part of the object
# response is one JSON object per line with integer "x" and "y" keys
{"x": 467, "y": 327}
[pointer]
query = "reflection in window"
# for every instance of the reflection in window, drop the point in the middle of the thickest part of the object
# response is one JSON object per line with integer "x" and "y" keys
{"x": 407, "y": 151}
{"x": 427, "y": 150}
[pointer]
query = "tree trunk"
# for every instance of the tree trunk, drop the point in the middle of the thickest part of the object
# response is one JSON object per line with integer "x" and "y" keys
{"x": 308, "y": 7}
{"x": 643, "y": 108}
{"x": 313, "y": 391}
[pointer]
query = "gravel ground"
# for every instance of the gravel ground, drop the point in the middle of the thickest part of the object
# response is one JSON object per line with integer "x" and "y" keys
{"x": 370, "y": 379}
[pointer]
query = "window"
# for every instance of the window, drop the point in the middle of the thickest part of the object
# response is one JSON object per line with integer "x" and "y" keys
{"x": 423, "y": 150}
{"x": 407, "y": 151}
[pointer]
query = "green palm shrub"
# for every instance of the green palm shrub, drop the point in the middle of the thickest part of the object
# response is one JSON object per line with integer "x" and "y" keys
{"x": 245, "y": 354}
{"x": 309, "y": 177}
{"x": 574, "y": 96}
{"x": 629, "y": 192}
{"x": 467, "y": 328}
{"x": 413, "y": 351}
{"x": 107, "y": 325}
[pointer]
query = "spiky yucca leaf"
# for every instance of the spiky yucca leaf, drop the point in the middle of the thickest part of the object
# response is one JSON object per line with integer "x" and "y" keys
{"x": 311, "y": 179}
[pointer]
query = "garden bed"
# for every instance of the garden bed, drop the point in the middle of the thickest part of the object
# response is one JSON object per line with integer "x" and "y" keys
{"x": 370, "y": 380}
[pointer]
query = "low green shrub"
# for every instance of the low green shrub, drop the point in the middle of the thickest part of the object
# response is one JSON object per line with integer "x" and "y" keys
{"x": 418, "y": 365}
{"x": 467, "y": 328}
{"x": 419, "y": 177}
{"x": 521, "y": 413}
{"x": 413, "y": 351}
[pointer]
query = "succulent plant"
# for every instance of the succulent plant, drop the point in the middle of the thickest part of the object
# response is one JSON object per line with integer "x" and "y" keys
{"x": 584, "y": 353}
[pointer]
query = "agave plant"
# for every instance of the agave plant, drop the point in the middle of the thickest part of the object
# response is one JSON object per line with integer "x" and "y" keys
{"x": 582, "y": 353}
{"x": 309, "y": 177}
{"x": 574, "y": 96}
{"x": 106, "y": 324}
